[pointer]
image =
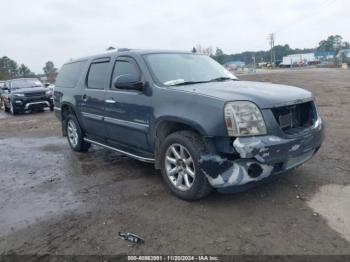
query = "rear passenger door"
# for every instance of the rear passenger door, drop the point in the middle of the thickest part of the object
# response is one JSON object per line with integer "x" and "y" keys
{"x": 127, "y": 112}
{"x": 93, "y": 96}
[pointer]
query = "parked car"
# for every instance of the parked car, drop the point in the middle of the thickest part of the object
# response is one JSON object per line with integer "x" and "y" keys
{"x": 2, "y": 86}
{"x": 184, "y": 112}
{"x": 26, "y": 94}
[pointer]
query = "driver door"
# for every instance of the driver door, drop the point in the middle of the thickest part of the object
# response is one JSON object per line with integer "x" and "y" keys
{"x": 127, "y": 112}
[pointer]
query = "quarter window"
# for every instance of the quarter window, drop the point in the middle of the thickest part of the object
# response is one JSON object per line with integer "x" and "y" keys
{"x": 97, "y": 75}
{"x": 69, "y": 74}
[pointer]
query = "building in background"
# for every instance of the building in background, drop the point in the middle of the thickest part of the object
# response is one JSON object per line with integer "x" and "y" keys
{"x": 316, "y": 58}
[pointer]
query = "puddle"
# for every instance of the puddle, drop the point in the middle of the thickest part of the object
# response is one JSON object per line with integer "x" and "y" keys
{"x": 43, "y": 178}
{"x": 333, "y": 203}
{"x": 32, "y": 182}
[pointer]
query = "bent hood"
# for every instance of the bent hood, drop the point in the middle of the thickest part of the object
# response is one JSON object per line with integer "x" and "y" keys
{"x": 265, "y": 95}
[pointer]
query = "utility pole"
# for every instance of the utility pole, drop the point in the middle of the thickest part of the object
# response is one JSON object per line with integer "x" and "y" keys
{"x": 271, "y": 39}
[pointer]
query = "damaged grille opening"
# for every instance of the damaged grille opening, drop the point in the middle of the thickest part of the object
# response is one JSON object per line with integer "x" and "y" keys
{"x": 295, "y": 118}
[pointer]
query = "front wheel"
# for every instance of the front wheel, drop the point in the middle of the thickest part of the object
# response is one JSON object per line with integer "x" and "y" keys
{"x": 180, "y": 154}
{"x": 13, "y": 110}
{"x": 75, "y": 135}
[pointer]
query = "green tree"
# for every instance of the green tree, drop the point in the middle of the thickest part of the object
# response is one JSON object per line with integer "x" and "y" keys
{"x": 346, "y": 45}
{"x": 332, "y": 43}
{"x": 50, "y": 71}
{"x": 219, "y": 55}
{"x": 8, "y": 68}
{"x": 24, "y": 71}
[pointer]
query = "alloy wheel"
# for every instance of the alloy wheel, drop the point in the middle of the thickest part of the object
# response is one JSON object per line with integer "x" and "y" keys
{"x": 179, "y": 167}
{"x": 72, "y": 133}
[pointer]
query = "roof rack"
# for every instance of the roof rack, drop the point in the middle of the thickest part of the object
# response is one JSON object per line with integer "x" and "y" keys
{"x": 123, "y": 49}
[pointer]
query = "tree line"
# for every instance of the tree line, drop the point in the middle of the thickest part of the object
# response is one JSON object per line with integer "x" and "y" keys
{"x": 10, "y": 69}
{"x": 333, "y": 43}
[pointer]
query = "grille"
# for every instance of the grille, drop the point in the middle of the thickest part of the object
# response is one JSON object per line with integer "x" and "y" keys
{"x": 295, "y": 118}
{"x": 35, "y": 94}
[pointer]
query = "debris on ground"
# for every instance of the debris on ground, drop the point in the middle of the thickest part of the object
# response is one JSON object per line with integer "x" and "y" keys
{"x": 84, "y": 191}
{"x": 131, "y": 237}
{"x": 300, "y": 197}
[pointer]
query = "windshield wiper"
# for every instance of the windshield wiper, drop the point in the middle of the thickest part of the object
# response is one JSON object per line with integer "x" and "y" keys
{"x": 218, "y": 79}
{"x": 189, "y": 83}
{"x": 223, "y": 78}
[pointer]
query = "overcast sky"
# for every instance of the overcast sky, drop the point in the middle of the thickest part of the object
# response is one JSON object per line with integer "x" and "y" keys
{"x": 35, "y": 31}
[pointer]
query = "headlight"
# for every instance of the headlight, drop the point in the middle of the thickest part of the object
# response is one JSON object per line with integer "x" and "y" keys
{"x": 19, "y": 95}
{"x": 244, "y": 118}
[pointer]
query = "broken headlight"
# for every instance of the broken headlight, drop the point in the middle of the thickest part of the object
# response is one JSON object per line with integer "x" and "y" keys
{"x": 244, "y": 118}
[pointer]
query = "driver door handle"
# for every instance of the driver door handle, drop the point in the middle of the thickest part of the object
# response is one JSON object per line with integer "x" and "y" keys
{"x": 110, "y": 101}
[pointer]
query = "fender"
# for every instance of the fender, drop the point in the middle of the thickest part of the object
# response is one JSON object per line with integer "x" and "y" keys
{"x": 189, "y": 122}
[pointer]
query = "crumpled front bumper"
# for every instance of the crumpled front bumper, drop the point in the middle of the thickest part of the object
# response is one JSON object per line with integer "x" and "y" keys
{"x": 260, "y": 158}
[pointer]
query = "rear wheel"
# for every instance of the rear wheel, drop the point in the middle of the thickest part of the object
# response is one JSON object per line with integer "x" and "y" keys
{"x": 75, "y": 135}
{"x": 180, "y": 154}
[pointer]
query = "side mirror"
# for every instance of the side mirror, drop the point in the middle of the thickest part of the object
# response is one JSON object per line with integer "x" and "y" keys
{"x": 128, "y": 81}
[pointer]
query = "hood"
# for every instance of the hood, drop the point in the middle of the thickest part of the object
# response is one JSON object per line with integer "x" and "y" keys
{"x": 30, "y": 90}
{"x": 265, "y": 95}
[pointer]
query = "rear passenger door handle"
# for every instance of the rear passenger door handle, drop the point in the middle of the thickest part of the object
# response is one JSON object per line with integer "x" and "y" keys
{"x": 110, "y": 101}
{"x": 84, "y": 98}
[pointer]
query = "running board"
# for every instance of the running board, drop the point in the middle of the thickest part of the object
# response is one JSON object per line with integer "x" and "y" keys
{"x": 143, "y": 159}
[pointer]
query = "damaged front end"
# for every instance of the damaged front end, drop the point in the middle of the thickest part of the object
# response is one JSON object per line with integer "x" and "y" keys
{"x": 261, "y": 158}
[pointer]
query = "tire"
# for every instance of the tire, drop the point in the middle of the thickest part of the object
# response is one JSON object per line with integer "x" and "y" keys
{"x": 193, "y": 147}
{"x": 75, "y": 136}
{"x": 13, "y": 111}
{"x": 6, "y": 108}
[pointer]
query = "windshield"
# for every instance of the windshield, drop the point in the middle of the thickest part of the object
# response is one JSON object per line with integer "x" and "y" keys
{"x": 25, "y": 83}
{"x": 176, "y": 69}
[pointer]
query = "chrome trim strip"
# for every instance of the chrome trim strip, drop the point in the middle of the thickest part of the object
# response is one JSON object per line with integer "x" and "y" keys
{"x": 36, "y": 103}
{"x": 110, "y": 101}
{"x": 144, "y": 159}
{"x": 120, "y": 122}
{"x": 57, "y": 108}
{"x": 92, "y": 116}
{"x": 116, "y": 121}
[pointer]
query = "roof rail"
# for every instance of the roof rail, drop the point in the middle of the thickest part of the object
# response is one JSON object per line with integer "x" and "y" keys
{"x": 123, "y": 49}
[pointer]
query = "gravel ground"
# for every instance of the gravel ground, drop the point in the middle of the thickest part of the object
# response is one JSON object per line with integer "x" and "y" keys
{"x": 55, "y": 201}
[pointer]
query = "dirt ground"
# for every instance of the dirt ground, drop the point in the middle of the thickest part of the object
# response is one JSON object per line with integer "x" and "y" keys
{"x": 55, "y": 201}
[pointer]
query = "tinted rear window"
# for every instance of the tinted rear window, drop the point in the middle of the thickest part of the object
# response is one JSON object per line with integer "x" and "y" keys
{"x": 69, "y": 74}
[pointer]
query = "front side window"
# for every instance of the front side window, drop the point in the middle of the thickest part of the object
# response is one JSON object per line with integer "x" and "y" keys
{"x": 97, "y": 75}
{"x": 177, "y": 68}
{"x": 125, "y": 67}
